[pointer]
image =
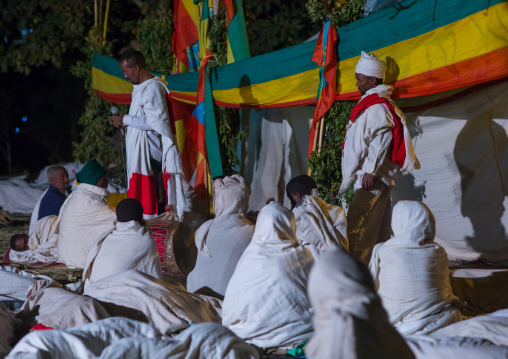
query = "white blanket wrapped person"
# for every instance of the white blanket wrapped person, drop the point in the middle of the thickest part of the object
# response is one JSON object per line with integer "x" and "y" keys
{"x": 40, "y": 246}
{"x": 266, "y": 303}
{"x": 129, "y": 245}
{"x": 222, "y": 240}
{"x": 320, "y": 226}
{"x": 411, "y": 273}
{"x": 350, "y": 322}
{"x": 84, "y": 216}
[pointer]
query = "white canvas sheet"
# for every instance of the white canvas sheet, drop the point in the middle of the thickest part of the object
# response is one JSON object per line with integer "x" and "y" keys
{"x": 166, "y": 306}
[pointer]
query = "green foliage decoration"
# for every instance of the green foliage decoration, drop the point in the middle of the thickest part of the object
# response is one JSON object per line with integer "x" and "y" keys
{"x": 96, "y": 134}
{"x": 155, "y": 33}
{"x": 227, "y": 119}
{"x": 37, "y": 32}
{"x": 326, "y": 165}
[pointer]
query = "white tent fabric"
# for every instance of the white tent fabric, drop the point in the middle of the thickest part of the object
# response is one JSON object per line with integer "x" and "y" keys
{"x": 128, "y": 246}
{"x": 266, "y": 302}
{"x": 59, "y": 308}
{"x": 411, "y": 274}
{"x": 200, "y": 341}
{"x": 166, "y": 306}
{"x": 83, "y": 342}
{"x": 463, "y": 150}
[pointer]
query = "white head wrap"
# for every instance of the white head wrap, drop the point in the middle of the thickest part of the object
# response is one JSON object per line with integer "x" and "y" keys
{"x": 370, "y": 65}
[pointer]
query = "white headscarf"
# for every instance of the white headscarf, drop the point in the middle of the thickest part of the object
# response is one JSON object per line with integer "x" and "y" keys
{"x": 370, "y": 65}
{"x": 411, "y": 272}
{"x": 231, "y": 197}
{"x": 349, "y": 321}
{"x": 265, "y": 302}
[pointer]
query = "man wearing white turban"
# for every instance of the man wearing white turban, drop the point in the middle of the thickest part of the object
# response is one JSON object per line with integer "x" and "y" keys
{"x": 377, "y": 141}
{"x": 222, "y": 240}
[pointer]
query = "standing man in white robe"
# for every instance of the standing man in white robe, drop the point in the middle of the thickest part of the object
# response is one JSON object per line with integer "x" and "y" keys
{"x": 150, "y": 140}
{"x": 377, "y": 142}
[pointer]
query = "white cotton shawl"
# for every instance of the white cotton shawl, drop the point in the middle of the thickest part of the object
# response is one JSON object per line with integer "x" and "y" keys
{"x": 349, "y": 321}
{"x": 411, "y": 272}
{"x": 84, "y": 216}
{"x": 59, "y": 308}
{"x": 360, "y": 146}
{"x": 166, "y": 306}
{"x": 127, "y": 246}
{"x": 265, "y": 302}
{"x": 83, "y": 342}
{"x": 200, "y": 341}
{"x": 320, "y": 227}
{"x": 35, "y": 213}
{"x": 222, "y": 240}
{"x": 138, "y": 147}
{"x": 42, "y": 243}
{"x": 493, "y": 327}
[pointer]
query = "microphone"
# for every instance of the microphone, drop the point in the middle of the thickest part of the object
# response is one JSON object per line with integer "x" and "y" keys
{"x": 114, "y": 110}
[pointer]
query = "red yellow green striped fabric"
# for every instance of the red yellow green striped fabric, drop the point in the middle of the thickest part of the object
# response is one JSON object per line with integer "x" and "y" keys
{"x": 429, "y": 47}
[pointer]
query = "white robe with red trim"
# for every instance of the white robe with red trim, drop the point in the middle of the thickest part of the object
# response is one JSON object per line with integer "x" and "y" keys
{"x": 150, "y": 99}
{"x": 367, "y": 148}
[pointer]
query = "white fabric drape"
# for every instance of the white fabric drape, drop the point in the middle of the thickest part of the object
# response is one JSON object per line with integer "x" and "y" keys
{"x": 149, "y": 99}
{"x": 83, "y": 217}
{"x": 222, "y": 240}
{"x": 59, "y": 308}
{"x": 200, "y": 341}
{"x": 265, "y": 302}
{"x": 127, "y": 246}
{"x": 166, "y": 306}
{"x": 411, "y": 273}
{"x": 349, "y": 321}
{"x": 83, "y": 342}
{"x": 42, "y": 243}
{"x": 320, "y": 227}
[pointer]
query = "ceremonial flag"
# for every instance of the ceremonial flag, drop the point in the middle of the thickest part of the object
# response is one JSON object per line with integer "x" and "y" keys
{"x": 238, "y": 46}
{"x": 325, "y": 55}
{"x": 185, "y": 42}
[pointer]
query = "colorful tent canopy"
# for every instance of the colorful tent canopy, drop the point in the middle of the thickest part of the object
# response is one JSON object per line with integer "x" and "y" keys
{"x": 429, "y": 47}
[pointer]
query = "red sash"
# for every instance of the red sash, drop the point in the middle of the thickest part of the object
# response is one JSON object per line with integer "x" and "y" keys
{"x": 398, "y": 145}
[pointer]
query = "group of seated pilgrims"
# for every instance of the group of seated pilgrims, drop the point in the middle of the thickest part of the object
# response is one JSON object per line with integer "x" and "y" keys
{"x": 286, "y": 282}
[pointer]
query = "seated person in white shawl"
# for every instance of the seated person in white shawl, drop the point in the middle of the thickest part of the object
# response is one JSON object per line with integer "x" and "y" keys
{"x": 84, "y": 216}
{"x": 265, "y": 302}
{"x": 320, "y": 226}
{"x": 222, "y": 240}
{"x": 54, "y": 197}
{"x": 129, "y": 245}
{"x": 350, "y": 322}
{"x": 411, "y": 273}
{"x": 40, "y": 246}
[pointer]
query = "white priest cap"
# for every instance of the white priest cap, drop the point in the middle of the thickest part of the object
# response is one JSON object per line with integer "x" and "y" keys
{"x": 370, "y": 65}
